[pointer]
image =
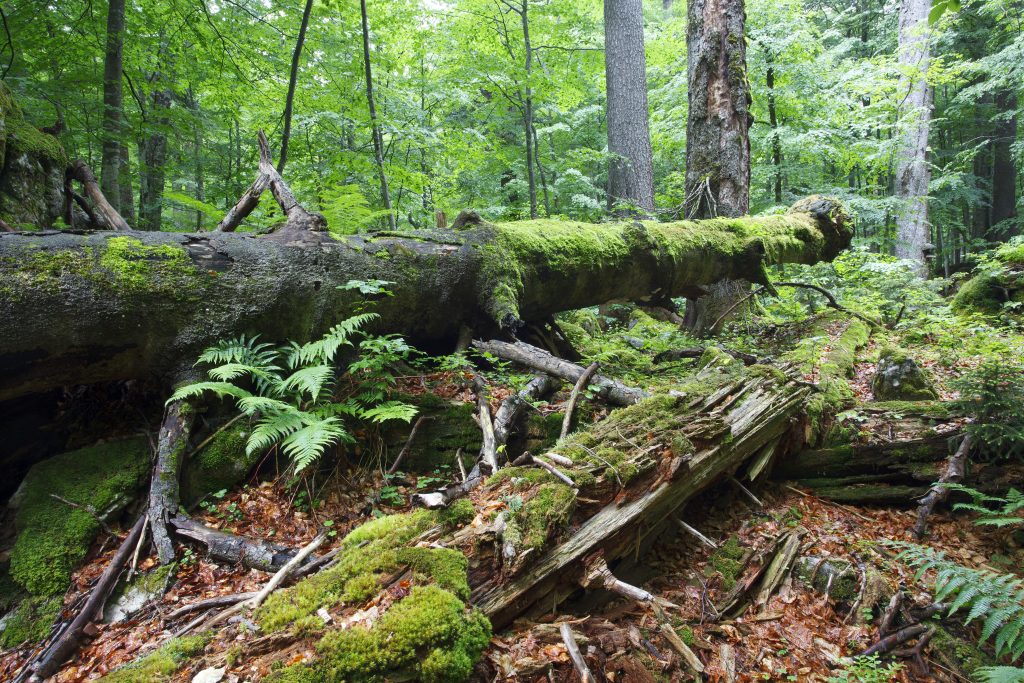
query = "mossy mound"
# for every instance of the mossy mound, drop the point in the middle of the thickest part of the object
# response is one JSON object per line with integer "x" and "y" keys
{"x": 997, "y": 283}
{"x": 450, "y": 428}
{"x": 161, "y": 664}
{"x": 53, "y": 537}
{"x": 219, "y": 465}
{"x": 428, "y": 635}
{"x": 899, "y": 378}
{"x": 726, "y": 562}
{"x": 30, "y": 621}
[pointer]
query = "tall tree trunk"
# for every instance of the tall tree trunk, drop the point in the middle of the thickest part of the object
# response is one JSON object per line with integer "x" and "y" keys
{"x": 378, "y": 140}
{"x": 110, "y": 163}
{"x": 531, "y": 144}
{"x": 1004, "y": 170}
{"x": 912, "y": 173}
{"x": 773, "y": 121}
{"x": 294, "y": 76}
{"x": 717, "y": 134}
{"x": 154, "y": 158}
{"x": 124, "y": 180}
{"x": 631, "y": 176}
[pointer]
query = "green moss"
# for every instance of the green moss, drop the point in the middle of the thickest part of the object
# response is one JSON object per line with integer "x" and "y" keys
{"x": 54, "y": 537}
{"x": 219, "y": 465}
{"x": 31, "y": 621}
{"x": 459, "y": 513}
{"x": 726, "y": 562}
{"x": 547, "y": 510}
{"x": 22, "y": 137}
{"x": 965, "y": 654}
{"x": 428, "y": 636}
{"x": 134, "y": 266}
{"x": 161, "y": 664}
{"x": 714, "y": 357}
{"x": 450, "y": 428}
{"x": 522, "y": 478}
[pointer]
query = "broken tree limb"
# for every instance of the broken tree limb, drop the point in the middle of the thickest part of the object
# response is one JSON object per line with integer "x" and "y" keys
{"x": 898, "y": 638}
{"x": 268, "y": 178}
{"x": 232, "y": 549}
{"x": 163, "y": 488}
{"x": 831, "y": 300}
{"x": 538, "y": 359}
{"x": 145, "y": 307}
{"x": 489, "y": 448}
{"x": 285, "y": 571}
{"x": 574, "y": 397}
{"x": 81, "y": 172}
{"x": 688, "y": 655}
{"x": 69, "y": 641}
{"x": 954, "y": 474}
{"x": 512, "y": 410}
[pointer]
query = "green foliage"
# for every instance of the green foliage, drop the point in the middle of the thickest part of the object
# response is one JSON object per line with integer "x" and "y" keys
{"x": 996, "y": 599}
{"x": 993, "y": 393}
{"x": 291, "y": 390}
{"x": 867, "y": 669}
{"x": 1007, "y": 512}
{"x": 999, "y": 674}
{"x": 161, "y": 664}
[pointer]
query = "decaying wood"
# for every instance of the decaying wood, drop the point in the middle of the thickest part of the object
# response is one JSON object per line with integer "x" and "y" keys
{"x": 164, "y": 486}
{"x": 696, "y": 534}
{"x": 268, "y": 178}
{"x": 698, "y": 351}
{"x": 538, "y": 359}
{"x": 81, "y": 172}
{"x": 689, "y": 656}
{"x": 779, "y": 566}
{"x": 954, "y": 474}
{"x": 231, "y": 549}
{"x": 284, "y": 572}
{"x": 892, "y": 640}
{"x": 70, "y": 640}
{"x": 580, "y": 664}
{"x": 513, "y": 409}
{"x": 489, "y": 448}
{"x": 210, "y": 603}
{"x": 574, "y": 397}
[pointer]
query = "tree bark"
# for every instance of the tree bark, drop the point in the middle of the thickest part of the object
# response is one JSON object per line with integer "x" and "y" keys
{"x": 154, "y": 157}
{"x": 146, "y": 308}
{"x": 1004, "y": 169}
{"x": 531, "y": 138}
{"x": 773, "y": 121}
{"x": 110, "y": 163}
{"x": 912, "y": 172}
{"x": 378, "y": 139}
{"x": 631, "y": 175}
{"x": 293, "y": 79}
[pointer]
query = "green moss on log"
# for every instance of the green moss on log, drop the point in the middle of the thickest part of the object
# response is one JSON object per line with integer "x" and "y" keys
{"x": 162, "y": 664}
{"x": 53, "y": 537}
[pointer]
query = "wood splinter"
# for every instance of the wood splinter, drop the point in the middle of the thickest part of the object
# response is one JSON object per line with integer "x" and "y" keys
{"x": 696, "y": 534}
{"x": 527, "y": 459}
{"x": 599, "y": 575}
{"x": 574, "y": 397}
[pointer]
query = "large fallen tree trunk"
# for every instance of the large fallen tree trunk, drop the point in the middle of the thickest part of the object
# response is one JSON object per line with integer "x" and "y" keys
{"x": 85, "y": 308}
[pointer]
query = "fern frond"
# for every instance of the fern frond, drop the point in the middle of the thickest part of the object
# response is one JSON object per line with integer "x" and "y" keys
{"x": 390, "y": 410}
{"x": 274, "y": 428}
{"x": 230, "y": 371}
{"x": 999, "y": 674}
{"x": 324, "y": 349}
{"x": 307, "y": 444}
{"x": 221, "y": 389}
{"x": 310, "y": 380}
{"x": 239, "y": 350}
{"x": 251, "y": 405}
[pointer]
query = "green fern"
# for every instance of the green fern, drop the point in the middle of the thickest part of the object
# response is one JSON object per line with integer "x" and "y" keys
{"x": 998, "y": 598}
{"x": 296, "y": 409}
{"x": 999, "y": 674}
{"x": 1008, "y": 512}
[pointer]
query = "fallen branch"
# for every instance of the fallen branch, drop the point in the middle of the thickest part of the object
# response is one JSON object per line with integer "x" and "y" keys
{"x": 527, "y": 459}
{"x": 574, "y": 397}
{"x": 954, "y": 474}
{"x": 81, "y": 172}
{"x": 69, "y": 641}
{"x": 408, "y": 444}
{"x": 688, "y": 655}
{"x": 696, "y": 534}
{"x": 287, "y": 569}
{"x": 889, "y": 642}
{"x": 231, "y": 549}
{"x": 575, "y": 655}
{"x": 489, "y": 448}
{"x": 541, "y": 360}
{"x": 698, "y": 351}
{"x": 210, "y": 603}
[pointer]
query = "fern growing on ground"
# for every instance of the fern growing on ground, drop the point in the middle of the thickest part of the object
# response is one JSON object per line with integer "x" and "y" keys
{"x": 996, "y": 598}
{"x": 1009, "y": 511}
{"x": 290, "y": 389}
{"x": 999, "y": 674}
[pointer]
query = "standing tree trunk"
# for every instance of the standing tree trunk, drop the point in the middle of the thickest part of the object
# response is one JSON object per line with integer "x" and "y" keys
{"x": 773, "y": 121}
{"x": 154, "y": 156}
{"x": 631, "y": 176}
{"x": 293, "y": 78}
{"x": 378, "y": 140}
{"x": 1004, "y": 170}
{"x": 531, "y": 144}
{"x": 124, "y": 180}
{"x": 717, "y": 133}
{"x": 110, "y": 162}
{"x": 912, "y": 173}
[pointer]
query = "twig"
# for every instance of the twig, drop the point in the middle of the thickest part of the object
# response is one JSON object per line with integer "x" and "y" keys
{"x": 842, "y": 507}
{"x": 747, "y": 492}
{"x": 88, "y": 509}
{"x": 462, "y": 465}
{"x": 575, "y": 655}
{"x": 698, "y": 535}
{"x": 283, "y": 573}
{"x": 574, "y": 397}
{"x": 206, "y": 442}
{"x": 734, "y": 306}
{"x": 408, "y": 444}
{"x": 209, "y": 603}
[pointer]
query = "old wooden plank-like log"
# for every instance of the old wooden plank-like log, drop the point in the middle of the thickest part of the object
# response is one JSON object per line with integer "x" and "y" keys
{"x": 104, "y": 306}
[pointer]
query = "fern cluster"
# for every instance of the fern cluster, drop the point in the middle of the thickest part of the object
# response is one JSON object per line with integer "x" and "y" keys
{"x": 997, "y": 598}
{"x": 290, "y": 390}
{"x": 992, "y": 510}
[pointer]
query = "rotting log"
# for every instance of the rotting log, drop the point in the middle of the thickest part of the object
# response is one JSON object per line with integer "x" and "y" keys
{"x": 108, "y": 306}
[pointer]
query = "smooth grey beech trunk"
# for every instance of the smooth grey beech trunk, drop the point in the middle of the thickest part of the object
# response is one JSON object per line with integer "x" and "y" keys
{"x": 110, "y": 161}
{"x": 631, "y": 177}
{"x": 912, "y": 173}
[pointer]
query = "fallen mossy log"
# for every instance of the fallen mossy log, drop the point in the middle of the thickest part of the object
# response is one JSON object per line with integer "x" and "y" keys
{"x": 104, "y": 306}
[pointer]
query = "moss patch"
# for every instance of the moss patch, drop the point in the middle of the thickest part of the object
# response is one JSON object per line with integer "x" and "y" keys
{"x": 222, "y": 463}
{"x": 54, "y": 537}
{"x": 30, "y": 622}
{"x": 161, "y": 664}
{"x": 726, "y": 562}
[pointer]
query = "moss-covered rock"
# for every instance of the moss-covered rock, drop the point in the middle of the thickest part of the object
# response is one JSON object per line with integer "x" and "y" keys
{"x": 998, "y": 282}
{"x": 219, "y": 465}
{"x": 899, "y": 378}
{"x": 30, "y": 621}
{"x": 53, "y": 537}
{"x": 451, "y": 427}
{"x": 162, "y": 664}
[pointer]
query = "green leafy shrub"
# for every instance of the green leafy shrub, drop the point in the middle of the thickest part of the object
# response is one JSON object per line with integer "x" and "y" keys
{"x": 866, "y": 669}
{"x": 290, "y": 390}
{"x": 998, "y": 598}
{"x": 994, "y": 394}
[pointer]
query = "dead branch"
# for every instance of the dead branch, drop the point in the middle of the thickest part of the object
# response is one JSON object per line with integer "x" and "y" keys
{"x": 688, "y": 655}
{"x": 898, "y": 638}
{"x": 210, "y": 603}
{"x": 81, "y": 172}
{"x": 575, "y": 655}
{"x": 698, "y": 351}
{"x": 696, "y": 534}
{"x": 831, "y": 301}
{"x": 489, "y": 449}
{"x": 408, "y": 444}
{"x": 954, "y": 474}
{"x": 574, "y": 397}
{"x": 889, "y": 616}
{"x": 163, "y": 489}
{"x": 69, "y": 641}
